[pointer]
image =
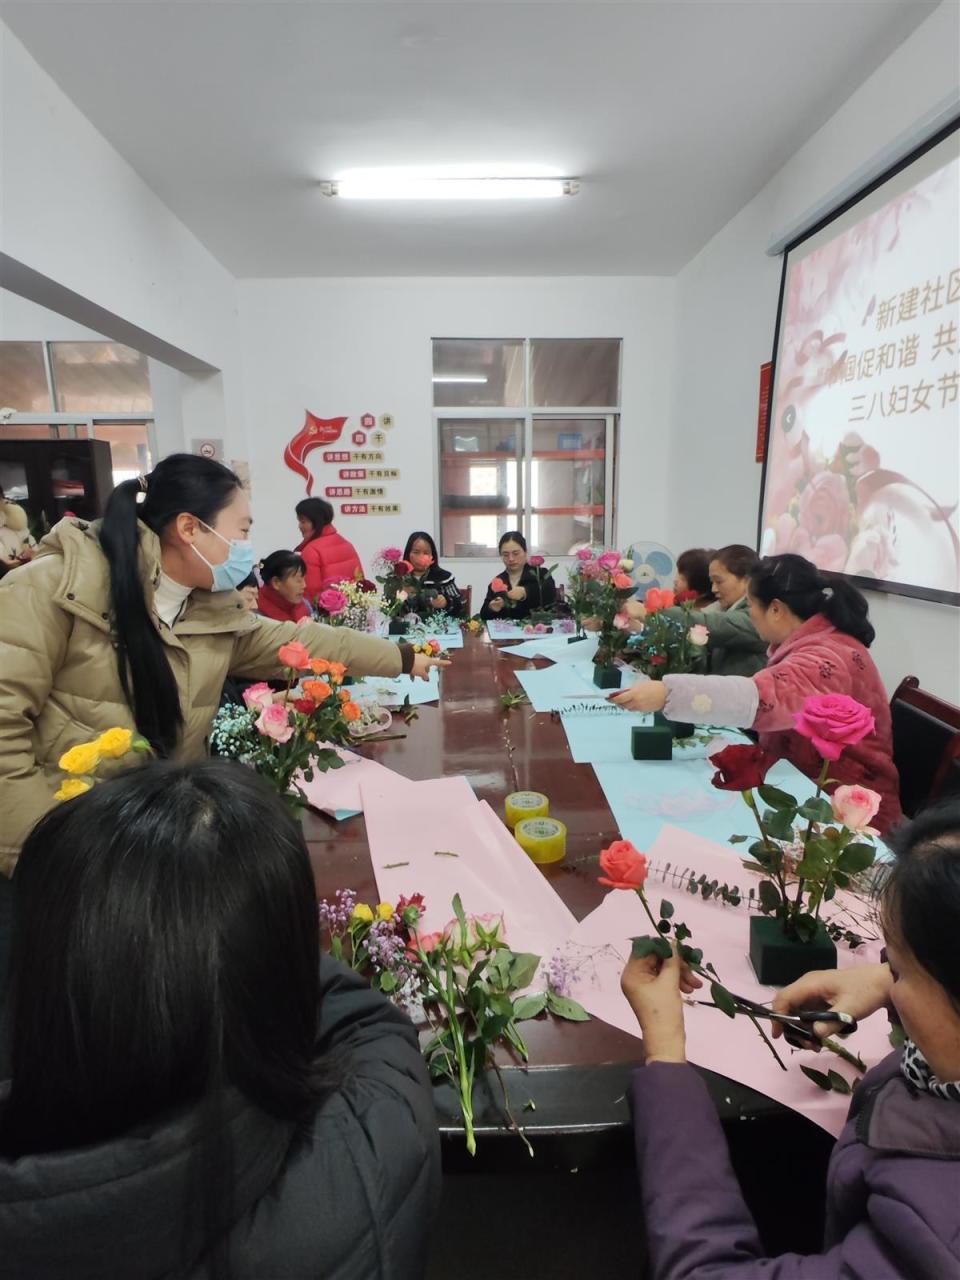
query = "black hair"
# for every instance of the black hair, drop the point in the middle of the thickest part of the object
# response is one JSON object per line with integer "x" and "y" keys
{"x": 318, "y": 512}
{"x": 249, "y": 581}
{"x": 695, "y": 567}
{"x": 512, "y": 535}
{"x": 920, "y": 895}
{"x": 182, "y": 482}
{"x": 421, "y": 533}
{"x": 186, "y": 955}
{"x": 280, "y": 563}
{"x": 737, "y": 559}
{"x": 800, "y": 585}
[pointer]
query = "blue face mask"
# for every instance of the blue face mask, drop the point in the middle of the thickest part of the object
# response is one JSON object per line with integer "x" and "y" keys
{"x": 237, "y": 566}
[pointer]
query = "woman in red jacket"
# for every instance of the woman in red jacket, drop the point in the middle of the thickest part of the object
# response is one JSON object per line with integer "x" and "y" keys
{"x": 328, "y": 556}
{"x": 818, "y": 632}
{"x": 284, "y": 582}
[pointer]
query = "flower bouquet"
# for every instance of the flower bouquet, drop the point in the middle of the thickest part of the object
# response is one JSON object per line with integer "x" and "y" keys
{"x": 81, "y": 762}
{"x": 355, "y": 604}
{"x": 599, "y": 587}
{"x": 666, "y": 646}
{"x": 403, "y": 591}
{"x": 805, "y": 851}
{"x": 462, "y": 982}
{"x": 284, "y": 735}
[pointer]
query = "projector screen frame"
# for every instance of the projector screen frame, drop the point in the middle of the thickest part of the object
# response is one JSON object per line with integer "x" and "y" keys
{"x": 936, "y": 595}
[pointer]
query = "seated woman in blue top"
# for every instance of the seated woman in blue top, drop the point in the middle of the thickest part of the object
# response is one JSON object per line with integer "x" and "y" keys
{"x": 523, "y": 586}
{"x": 438, "y": 590}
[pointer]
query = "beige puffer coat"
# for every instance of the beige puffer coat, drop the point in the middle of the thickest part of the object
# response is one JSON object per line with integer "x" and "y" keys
{"x": 59, "y": 683}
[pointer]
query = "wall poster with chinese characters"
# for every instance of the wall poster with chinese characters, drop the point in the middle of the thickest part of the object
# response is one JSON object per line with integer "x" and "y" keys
{"x": 348, "y": 463}
{"x": 863, "y": 459}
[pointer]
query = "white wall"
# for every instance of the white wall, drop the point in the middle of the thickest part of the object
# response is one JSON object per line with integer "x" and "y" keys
{"x": 349, "y": 346}
{"x": 81, "y": 231}
{"x": 726, "y": 311}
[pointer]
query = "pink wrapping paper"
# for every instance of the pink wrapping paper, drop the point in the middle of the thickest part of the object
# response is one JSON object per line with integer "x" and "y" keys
{"x": 340, "y": 788}
{"x": 409, "y": 822}
{"x": 600, "y": 946}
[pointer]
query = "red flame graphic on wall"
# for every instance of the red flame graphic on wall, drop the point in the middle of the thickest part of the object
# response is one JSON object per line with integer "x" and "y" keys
{"x": 315, "y": 432}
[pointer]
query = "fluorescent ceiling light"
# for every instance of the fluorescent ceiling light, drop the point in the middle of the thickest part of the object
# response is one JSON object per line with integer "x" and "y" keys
{"x": 454, "y": 182}
{"x": 459, "y": 377}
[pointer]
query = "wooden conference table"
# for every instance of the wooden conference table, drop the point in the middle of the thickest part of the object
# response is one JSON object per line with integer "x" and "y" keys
{"x": 578, "y": 1072}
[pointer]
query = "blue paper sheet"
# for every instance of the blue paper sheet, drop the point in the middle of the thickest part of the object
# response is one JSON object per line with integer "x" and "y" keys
{"x": 392, "y": 692}
{"x": 643, "y": 795}
{"x": 604, "y": 738}
{"x": 504, "y": 629}
{"x": 565, "y": 685}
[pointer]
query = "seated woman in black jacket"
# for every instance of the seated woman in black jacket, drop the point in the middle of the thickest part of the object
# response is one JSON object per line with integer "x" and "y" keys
{"x": 195, "y": 1092}
{"x": 438, "y": 590}
{"x": 528, "y": 586}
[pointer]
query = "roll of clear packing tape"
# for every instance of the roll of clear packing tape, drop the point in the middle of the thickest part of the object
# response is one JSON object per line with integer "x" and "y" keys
{"x": 525, "y": 804}
{"x": 543, "y": 839}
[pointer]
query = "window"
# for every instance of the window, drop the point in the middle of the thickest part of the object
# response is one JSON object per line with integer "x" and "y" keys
{"x": 526, "y": 438}
{"x": 80, "y": 391}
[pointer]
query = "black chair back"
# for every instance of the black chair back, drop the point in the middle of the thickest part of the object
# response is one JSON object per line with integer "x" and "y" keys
{"x": 926, "y": 739}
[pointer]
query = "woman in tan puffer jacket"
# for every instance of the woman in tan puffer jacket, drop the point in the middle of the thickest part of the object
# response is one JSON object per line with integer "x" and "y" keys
{"x": 134, "y": 621}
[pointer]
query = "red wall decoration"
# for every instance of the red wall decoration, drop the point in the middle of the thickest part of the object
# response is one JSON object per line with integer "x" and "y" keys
{"x": 315, "y": 432}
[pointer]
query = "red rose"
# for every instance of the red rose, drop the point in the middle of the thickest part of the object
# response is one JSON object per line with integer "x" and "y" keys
{"x": 498, "y": 586}
{"x": 403, "y": 567}
{"x": 740, "y": 768}
{"x": 833, "y": 721}
{"x": 625, "y": 868}
{"x": 305, "y": 706}
{"x": 535, "y": 562}
{"x": 657, "y": 659}
{"x": 686, "y": 597}
{"x": 658, "y": 598}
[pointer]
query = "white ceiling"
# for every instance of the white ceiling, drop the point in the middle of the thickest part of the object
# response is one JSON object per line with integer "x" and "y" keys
{"x": 673, "y": 115}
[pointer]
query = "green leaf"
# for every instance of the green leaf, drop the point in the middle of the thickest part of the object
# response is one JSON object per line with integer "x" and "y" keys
{"x": 816, "y": 809}
{"x": 778, "y": 823}
{"x": 837, "y": 1082}
{"x": 723, "y": 999}
{"x": 529, "y": 1006}
{"x": 777, "y": 799}
{"x": 648, "y": 946}
{"x": 666, "y": 909}
{"x": 663, "y": 926}
{"x": 856, "y": 858}
{"x": 805, "y": 926}
{"x": 459, "y": 913}
{"x": 692, "y": 955}
{"x": 564, "y": 1007}
{"x": 737, "y": 839}
{"x": 681, "y": 932}
{"x": 770, "y": 898}
{"x": 388, "y": 983}
{"x": 522, "y": 968}
{"x": 821, "y": 1080}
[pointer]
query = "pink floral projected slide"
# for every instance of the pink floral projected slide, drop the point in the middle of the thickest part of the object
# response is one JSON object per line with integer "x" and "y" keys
{"x": 863, "y": 472}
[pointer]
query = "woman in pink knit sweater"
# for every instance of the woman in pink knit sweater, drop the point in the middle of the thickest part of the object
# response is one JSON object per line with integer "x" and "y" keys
{"x": 818, "y": 632}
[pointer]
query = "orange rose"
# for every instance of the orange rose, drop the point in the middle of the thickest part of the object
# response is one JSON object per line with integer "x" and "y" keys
{"x": 294, "y": 655}
{"x": 319, "y": 666}
{"x": 337, "y": 671}
{"x": 317, "y": 690}
{"x": 344, "y": 695}
{"x": 622, "y": 582}
{"x": 350, "y": 711}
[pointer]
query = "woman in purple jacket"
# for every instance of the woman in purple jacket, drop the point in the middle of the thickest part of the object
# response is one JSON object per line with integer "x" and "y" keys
{"x": 893, "y": 1187}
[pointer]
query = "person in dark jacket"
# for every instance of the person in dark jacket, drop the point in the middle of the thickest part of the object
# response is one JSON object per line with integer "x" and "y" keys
{"x": 195, "y": 1091}
{"x": 524, "y": 586}
{"x": 328, "y": 555}
{"x": 284, "y": 583}
{"x": 438, "y": 589}
{"x": 893, "y": 1187}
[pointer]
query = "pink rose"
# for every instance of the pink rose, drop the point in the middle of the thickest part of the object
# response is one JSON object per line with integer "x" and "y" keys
{"x": 622, "y": 622}
{"x": 624, "y": 867}
{"x": 833, "y": 721}
{"x": 274, "y": 722}
{"x": 698, "y": 635}
{"x": 622, "y": 582}
{"x": 540, "y": 628}
{"x": 258, "y": 695}
{"x": 332, "y": 601}
{"x": 535, "y": 561}
{"x": 391, "y": 554}
{"x": 421, "y": 559}
{"x": 294, "y": 655}
{"x": 584, "y": 554}
{"x": 610, "y": 560}
{"x": 825, "y": 505}
{"x": 590, "y": 569}
{"x": 427, "y": 942}
{"x": 498, "y": 586}
{"x": 854, "y": 807}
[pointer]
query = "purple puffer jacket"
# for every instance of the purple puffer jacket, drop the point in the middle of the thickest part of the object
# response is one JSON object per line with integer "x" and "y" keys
{"x": 893, "y": 1187}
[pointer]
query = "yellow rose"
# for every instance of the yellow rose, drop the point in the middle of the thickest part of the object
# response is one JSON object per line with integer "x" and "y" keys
{"x": 71, "y": 788}
{"x": 80, "y": 759}
{"x": 115, "y": 743}
{"x": 384, "y": 911}
{"x": 362, "y": 913}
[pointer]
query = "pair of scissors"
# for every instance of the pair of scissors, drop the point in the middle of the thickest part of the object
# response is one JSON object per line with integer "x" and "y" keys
{"x": 797, "y": 1027}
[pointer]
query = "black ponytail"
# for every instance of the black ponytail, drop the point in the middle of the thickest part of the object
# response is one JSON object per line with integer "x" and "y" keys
{"x": 800, "y": 585}
{"x": 183, "y": 482}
